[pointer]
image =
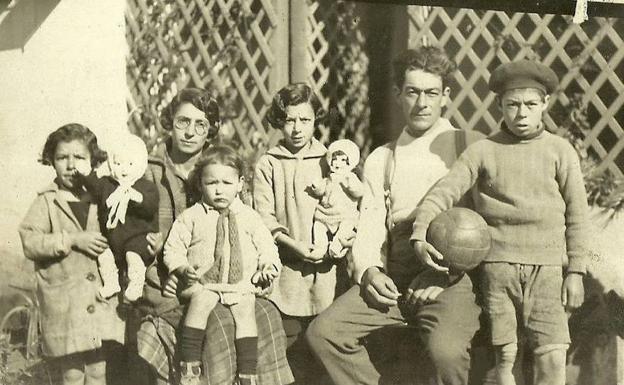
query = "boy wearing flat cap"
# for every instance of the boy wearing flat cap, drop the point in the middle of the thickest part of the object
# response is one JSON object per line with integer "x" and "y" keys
{"x": 530, "y": 191}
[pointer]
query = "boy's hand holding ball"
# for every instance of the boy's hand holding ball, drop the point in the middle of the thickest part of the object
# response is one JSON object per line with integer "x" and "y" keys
{"x": 425, "y": 253}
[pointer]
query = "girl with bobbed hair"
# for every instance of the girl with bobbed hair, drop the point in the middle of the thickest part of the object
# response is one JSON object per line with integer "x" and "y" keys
{"x": 292, "y": 95}
{"x": 61, "y": 235}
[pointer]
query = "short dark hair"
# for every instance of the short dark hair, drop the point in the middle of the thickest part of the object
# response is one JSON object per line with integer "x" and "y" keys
{"x": 338, "y": 153}
{"x": 68, "y": 133}
{"x": 216, "y": 154}
{"x": 430, "y": 59}
{"x": 202, "y": 100}
{"x": 292, "y": 95}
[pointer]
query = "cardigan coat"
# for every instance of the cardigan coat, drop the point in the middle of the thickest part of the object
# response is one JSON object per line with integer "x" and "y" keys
{"x": 72, "y": 319}
{"x": 172, "y": 201}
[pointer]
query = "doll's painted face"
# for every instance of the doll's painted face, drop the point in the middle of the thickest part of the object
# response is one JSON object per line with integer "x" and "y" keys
{"x": 340, "y": 163}
{"x": 128, "y": 161}
{"x": 124, "y": 168}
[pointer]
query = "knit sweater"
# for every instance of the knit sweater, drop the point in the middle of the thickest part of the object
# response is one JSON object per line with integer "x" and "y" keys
{"x": 531, "y": 194}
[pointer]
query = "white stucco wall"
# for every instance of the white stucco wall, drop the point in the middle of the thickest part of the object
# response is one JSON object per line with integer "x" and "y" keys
{"x": 72, "y": 69}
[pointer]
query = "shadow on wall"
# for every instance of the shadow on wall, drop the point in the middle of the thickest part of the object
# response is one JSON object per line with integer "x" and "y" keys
{"x": 20, "y": 19}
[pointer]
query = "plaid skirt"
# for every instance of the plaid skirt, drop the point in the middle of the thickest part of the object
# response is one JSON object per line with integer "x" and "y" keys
{"x": 156, "y": 340}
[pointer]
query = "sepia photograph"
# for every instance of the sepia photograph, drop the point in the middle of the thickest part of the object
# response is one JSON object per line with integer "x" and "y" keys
{"x": 312, "y": 192}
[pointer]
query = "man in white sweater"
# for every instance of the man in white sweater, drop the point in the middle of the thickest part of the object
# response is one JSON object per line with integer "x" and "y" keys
{"x": 394, "y": 288}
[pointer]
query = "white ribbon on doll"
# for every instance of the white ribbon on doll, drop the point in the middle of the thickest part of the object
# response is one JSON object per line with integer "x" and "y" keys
{"x": 117, "y": 203}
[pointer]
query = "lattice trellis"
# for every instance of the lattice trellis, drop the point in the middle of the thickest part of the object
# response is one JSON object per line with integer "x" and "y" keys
{"x": 220, "y": 45}
{"x": 240, "y": 50}
{"x": 338, "y": 69}
{"x": 587, "y": 58}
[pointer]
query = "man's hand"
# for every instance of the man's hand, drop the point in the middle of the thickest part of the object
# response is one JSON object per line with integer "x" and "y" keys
{"x": 379, "y": 290}
{"x": 426, "y": 287}
{"x": 426, "y": 253}
{"x": 572, "y": 292}
{"x": 154, "y": 243}
{"x": 91, "y": 243}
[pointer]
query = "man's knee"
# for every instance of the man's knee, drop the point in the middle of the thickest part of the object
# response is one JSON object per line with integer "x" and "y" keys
{"x": 319, "y": 331}
{"x": 448, "y": 352}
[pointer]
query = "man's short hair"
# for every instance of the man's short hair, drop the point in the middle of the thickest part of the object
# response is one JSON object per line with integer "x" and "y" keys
{"x": 430, "y": 59}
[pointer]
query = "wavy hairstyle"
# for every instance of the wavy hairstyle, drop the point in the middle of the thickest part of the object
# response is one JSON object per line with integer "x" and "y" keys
{"x": 200, "y": 99}
{"x": 292, "y": 95}
{"x": 68, "y": 133}
{"x": 430, "y": 59}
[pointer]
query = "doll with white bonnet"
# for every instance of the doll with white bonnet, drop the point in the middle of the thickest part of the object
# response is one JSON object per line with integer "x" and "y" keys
{"x": 340, "y": 193}
{"x": 127, "y": 211}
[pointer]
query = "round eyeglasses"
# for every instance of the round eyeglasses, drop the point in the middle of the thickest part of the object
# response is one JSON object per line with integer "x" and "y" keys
{"x": 200, "y": 126}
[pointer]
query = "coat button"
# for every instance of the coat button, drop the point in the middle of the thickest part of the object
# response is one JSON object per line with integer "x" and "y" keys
{"x": 91, "y": 277}
{"x": 91, "y": 309}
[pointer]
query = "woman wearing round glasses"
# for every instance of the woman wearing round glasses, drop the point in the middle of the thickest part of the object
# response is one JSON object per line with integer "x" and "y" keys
{"x": 192, "y": 119}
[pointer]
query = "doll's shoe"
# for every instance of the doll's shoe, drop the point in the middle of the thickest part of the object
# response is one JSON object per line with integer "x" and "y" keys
{"x": 189, "y": 372}
{"x": 110, "y": 288}
{"x": 247, "y": 379}
{"x": 109, "y": 273}
{"x": 136, "y": 277}
{"x": 133, "y": 292}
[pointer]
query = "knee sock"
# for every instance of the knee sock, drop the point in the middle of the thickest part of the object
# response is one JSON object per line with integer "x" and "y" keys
{"x": 505, "y": 359}
{"x": 246, "y": 354}
{"x": 191, "y": 344}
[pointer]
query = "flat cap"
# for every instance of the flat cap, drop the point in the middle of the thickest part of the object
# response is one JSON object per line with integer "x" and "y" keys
{"x": 523, "y": 74}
